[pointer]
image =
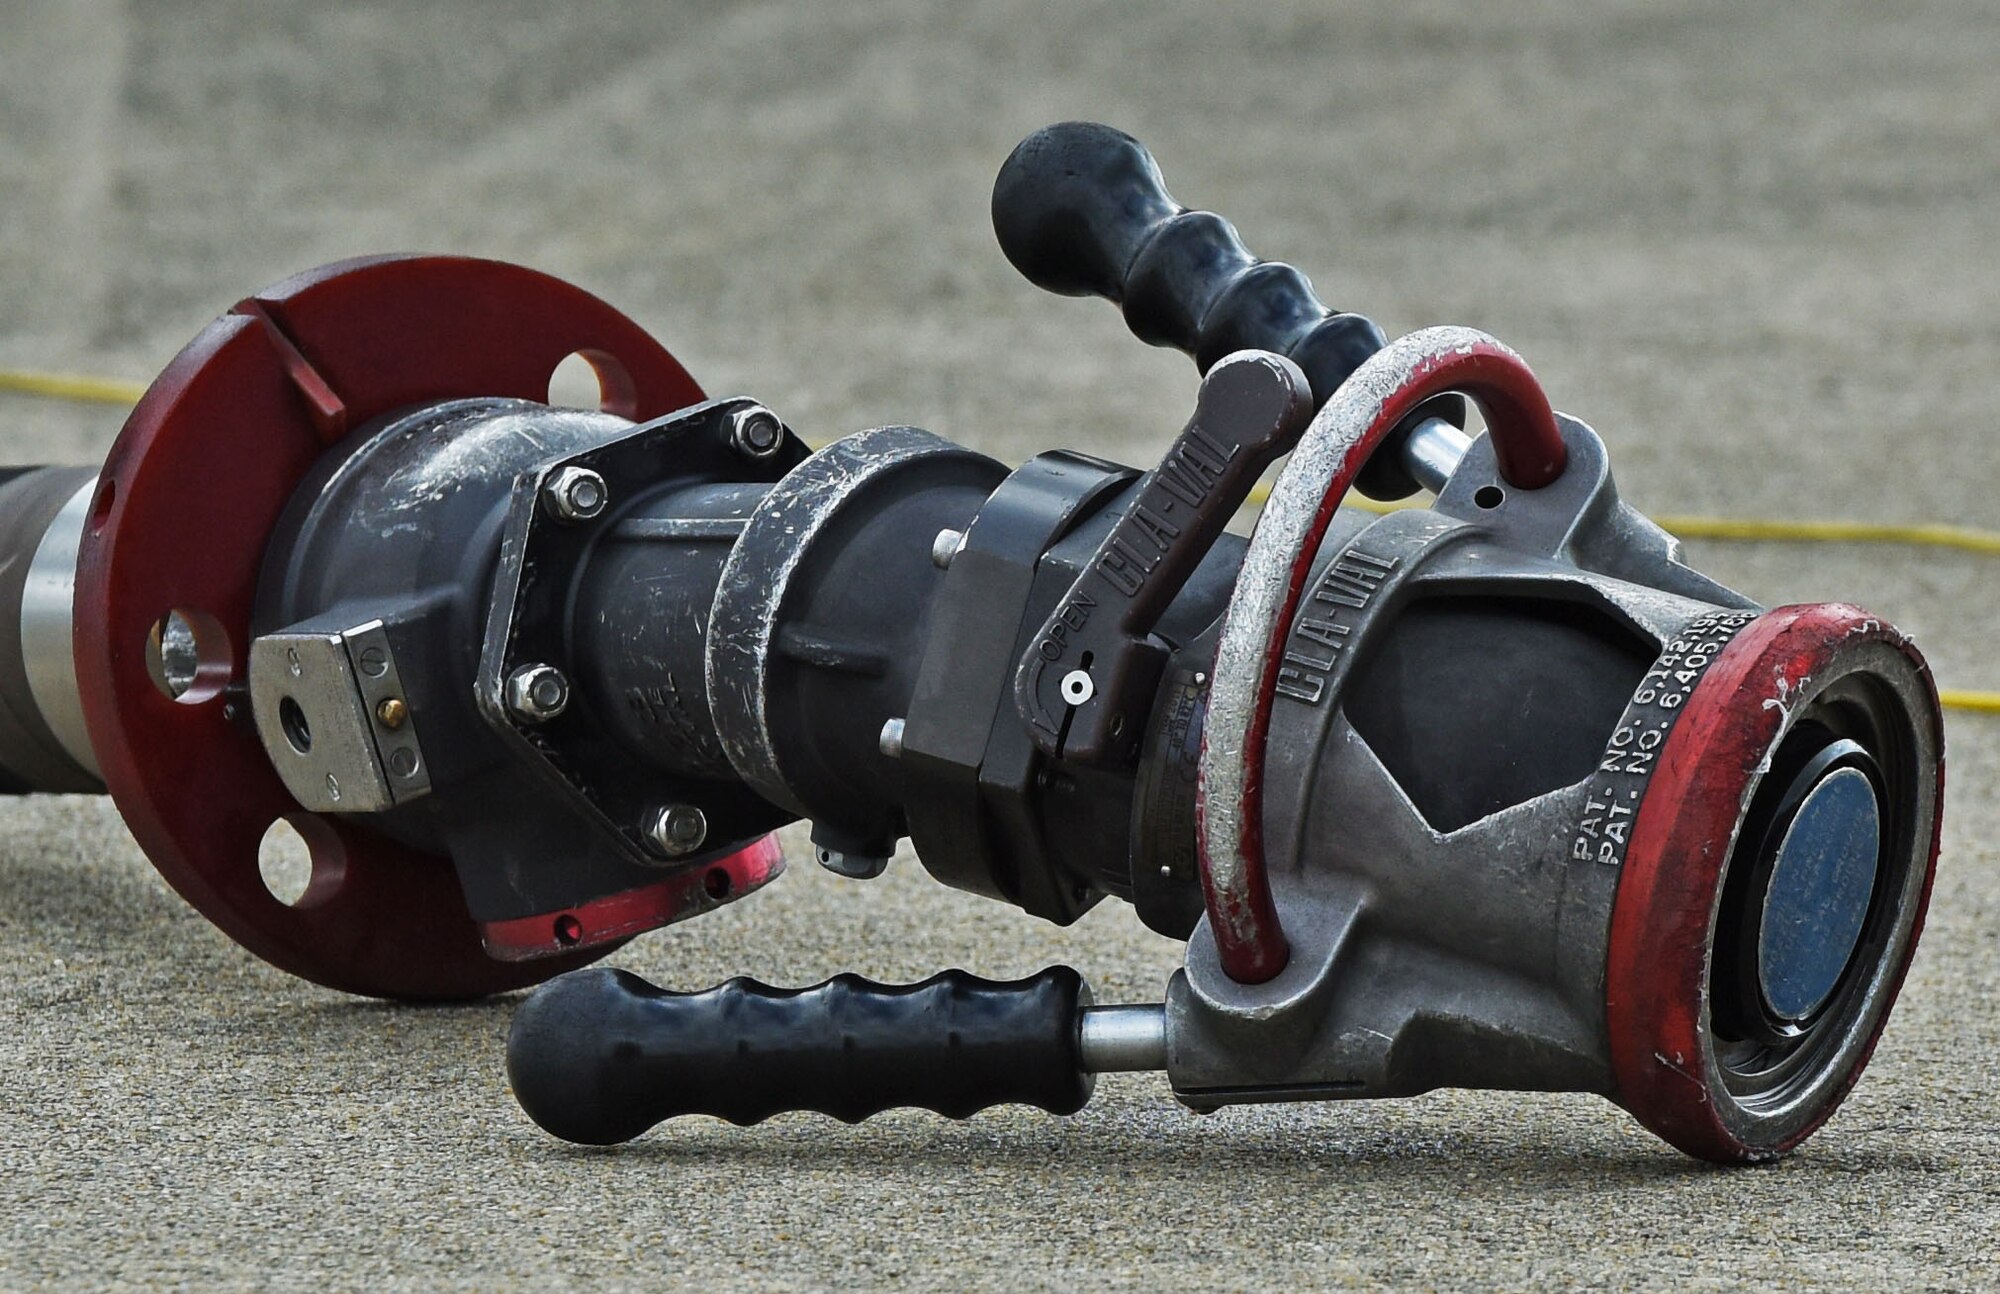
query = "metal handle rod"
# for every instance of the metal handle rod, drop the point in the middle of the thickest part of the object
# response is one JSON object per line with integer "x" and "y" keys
{"x": 1432, "y": 452}
{"x": 1123, "y": 1039}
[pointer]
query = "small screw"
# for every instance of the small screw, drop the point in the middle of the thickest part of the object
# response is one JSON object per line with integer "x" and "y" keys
{"x": 676, "y": 829}
{"x": 537, "y": 693}
{"x": 575, "y": 494}
{"x": 755, "y": 432}
{"x": 292, "y": 662}
{"x": 945, "y": 547}
{"x": 392, "y": 713}
{"x": 890, "y": 742}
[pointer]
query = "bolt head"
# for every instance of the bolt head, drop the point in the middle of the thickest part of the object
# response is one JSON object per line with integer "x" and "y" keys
{"x": 944, "y": 548}
{"x": 392, "y": 713}
{"x": 856, "y": 867}
{"x": 537, "y": 693}
{"x": 575, "y": 494}
{"x": 755, "y": 432}
{"x": 676, "y": 829}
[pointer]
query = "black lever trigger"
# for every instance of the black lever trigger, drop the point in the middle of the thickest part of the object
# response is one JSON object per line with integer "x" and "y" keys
{"x": 1087, "y": 679}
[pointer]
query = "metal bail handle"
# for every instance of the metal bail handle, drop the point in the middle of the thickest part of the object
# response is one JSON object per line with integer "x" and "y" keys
{"x": 1249, "y": 937}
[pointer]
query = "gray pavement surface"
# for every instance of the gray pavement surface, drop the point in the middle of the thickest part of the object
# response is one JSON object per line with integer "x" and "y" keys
{"x": 1753, "y": 245}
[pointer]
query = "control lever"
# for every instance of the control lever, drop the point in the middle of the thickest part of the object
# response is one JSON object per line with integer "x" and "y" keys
{"x": 1087, "y": 682}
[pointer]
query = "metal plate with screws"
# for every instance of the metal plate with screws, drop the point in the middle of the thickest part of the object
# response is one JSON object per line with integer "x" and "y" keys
{"x": 332, "y": 715}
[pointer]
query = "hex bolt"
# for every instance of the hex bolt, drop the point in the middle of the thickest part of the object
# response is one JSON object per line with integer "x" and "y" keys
{"x": 676, "y": 829}
{"x": 575, "y": 494}
{"x": 755, "y": 432}
{"x": 945, "y": 547}
{"x": 537, "y": 693}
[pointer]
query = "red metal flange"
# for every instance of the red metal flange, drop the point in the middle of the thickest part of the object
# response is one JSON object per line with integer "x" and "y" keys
{"x": 1385, "y": 390}
{"x": 185, "y": 507}
{"x": 615, "y": 918}
{"x": 1660, "y": 963}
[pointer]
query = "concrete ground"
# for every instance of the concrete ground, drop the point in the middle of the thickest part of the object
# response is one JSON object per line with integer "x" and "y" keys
{"x": 1753, "y": 246}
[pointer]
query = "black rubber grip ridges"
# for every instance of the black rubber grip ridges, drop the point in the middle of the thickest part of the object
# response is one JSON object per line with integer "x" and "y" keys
{"x": 598, "y": 1056}
{"x": 1081, "y": 210}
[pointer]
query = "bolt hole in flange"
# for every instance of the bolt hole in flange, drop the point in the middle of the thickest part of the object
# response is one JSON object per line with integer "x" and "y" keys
{"x": 188, "y": 656}
{"x": 284, "y": 862}
{"x": 568, "y": 930}
{"x": 717, "y": 883}
{"x": 300, "y": 860}
{"x": 593, "y": 379}
{"x": 1489, "y": 496}
{"x": 100, "y": 507}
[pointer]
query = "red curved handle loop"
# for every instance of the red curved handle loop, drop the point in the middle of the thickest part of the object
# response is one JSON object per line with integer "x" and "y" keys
{"x": 1229, "y": 802}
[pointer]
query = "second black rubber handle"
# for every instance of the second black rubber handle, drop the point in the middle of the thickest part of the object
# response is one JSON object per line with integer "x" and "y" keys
{"x": 598, "y": 1056}
{"x": 1081, "y": 210}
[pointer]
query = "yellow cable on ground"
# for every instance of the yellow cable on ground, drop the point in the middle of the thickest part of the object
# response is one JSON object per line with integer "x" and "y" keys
{"x": 71, "y": 386}
{"x": 1836, "y": 532}
{"x": 1922, "y": 535}
{"x": 106, "y": 390}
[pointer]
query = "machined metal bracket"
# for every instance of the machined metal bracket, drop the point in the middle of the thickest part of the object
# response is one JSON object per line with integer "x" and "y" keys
{"x": 332, "y": 714}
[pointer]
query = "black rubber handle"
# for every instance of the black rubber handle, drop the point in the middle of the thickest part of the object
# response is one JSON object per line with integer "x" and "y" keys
{"x": 1081, "y": 210}
{"x": 598, "y": 1056}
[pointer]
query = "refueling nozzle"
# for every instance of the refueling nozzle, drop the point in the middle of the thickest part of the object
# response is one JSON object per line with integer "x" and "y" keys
{"x": 1490, "y": 792}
